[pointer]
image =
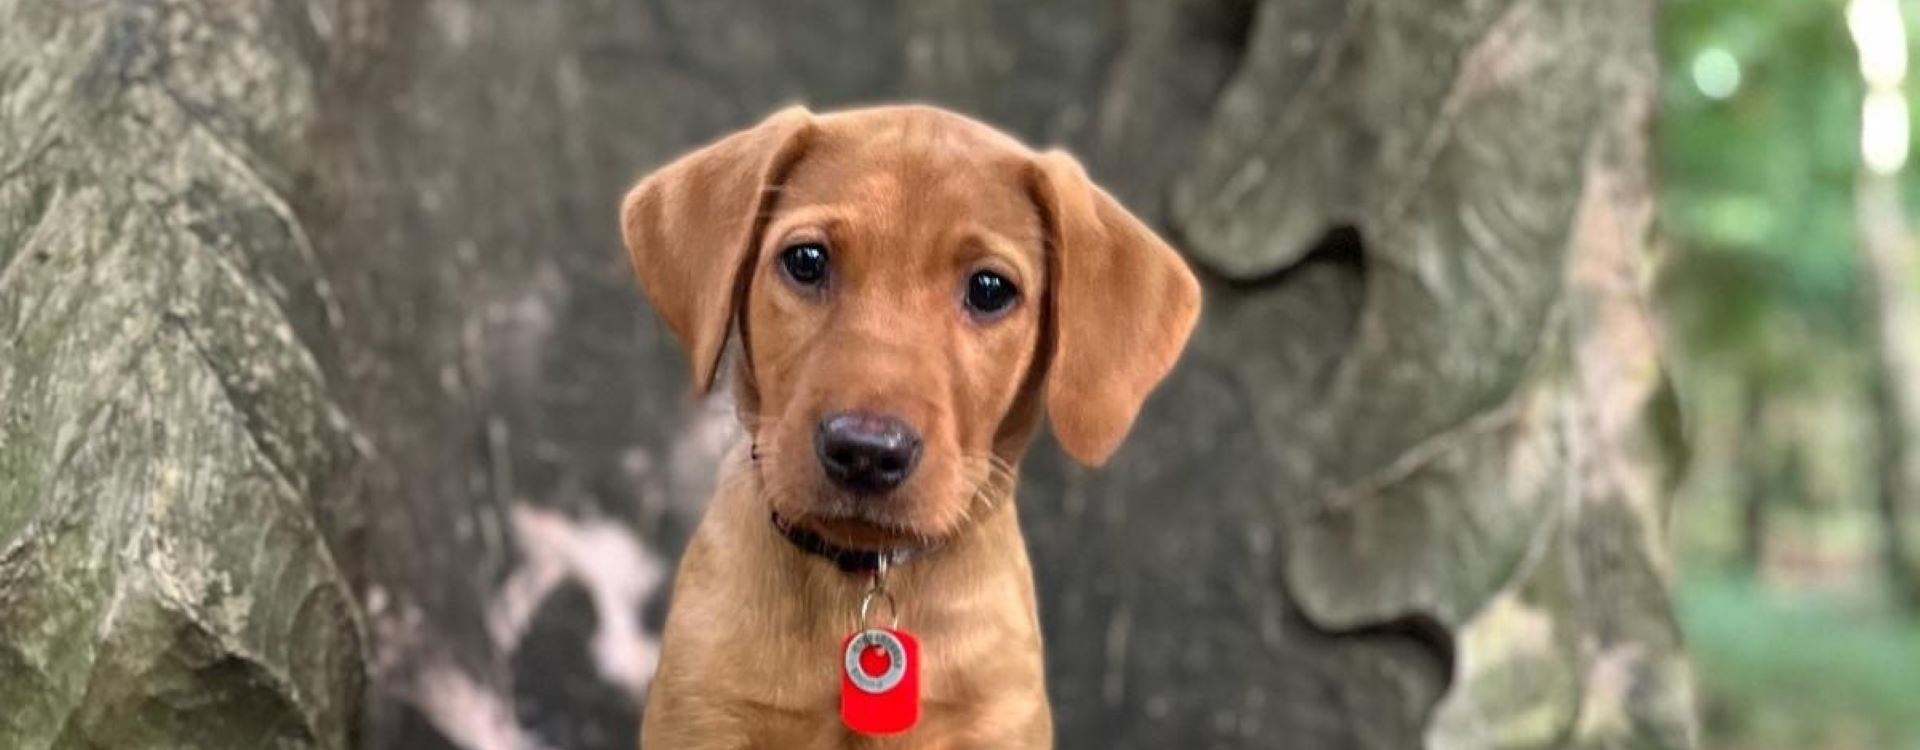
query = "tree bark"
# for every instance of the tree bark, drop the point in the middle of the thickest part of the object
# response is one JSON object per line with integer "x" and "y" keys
{"x": 1756, "y": 474}
{"x": 177, "y": 491}
{"x": 327, "y": 296}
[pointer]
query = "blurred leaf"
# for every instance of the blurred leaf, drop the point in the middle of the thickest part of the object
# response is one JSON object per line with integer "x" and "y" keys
{"x": 1758, "y": 186}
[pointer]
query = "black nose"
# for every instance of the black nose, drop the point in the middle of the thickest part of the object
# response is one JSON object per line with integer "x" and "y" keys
{"x": 866, "y": 452}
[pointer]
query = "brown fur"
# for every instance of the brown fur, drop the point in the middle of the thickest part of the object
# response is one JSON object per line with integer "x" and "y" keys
{"x": 909, "y": 201}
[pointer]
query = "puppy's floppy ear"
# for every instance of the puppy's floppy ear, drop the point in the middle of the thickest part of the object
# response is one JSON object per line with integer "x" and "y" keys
{"x": 1123, "y": 305}
{"x": 691, "y": 228}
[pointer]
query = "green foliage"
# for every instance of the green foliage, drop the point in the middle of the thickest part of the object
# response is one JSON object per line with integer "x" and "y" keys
{"x": 1801, "y": 670}
{"x": 1757, "y": 187}
{"x": 1761, "y": 291}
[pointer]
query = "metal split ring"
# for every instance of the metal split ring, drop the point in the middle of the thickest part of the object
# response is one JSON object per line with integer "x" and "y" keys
{"x": 893, "y": 607}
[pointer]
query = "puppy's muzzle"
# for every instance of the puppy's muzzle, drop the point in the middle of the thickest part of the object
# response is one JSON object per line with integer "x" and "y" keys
{"x": 865, "y": 452}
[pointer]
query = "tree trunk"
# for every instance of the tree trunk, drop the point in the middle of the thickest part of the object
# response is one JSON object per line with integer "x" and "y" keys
{"x": 1890, "y": 291}
{"x": 326, "y": 295}
{"x": 176, "y": 487}
{"x": 1756, "y": 475}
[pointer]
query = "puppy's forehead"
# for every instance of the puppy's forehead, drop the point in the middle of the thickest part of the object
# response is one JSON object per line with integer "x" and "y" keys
{"x": 922, "y": 128}
{"x": 915, "y": 163}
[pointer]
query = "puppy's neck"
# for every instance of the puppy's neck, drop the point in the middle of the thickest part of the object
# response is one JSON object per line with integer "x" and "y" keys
{"x": 963, "y": 580}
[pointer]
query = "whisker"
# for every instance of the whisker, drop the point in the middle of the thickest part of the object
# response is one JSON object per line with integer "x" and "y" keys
{"x": 993, "y": 480}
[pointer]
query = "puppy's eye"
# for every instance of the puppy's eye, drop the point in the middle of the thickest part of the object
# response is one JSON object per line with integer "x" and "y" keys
{"x": 805, "y": 263}
{"x": 989, "y": 293}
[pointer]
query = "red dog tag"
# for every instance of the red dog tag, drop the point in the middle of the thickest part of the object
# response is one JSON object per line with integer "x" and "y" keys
{"x": 880, "y": 681}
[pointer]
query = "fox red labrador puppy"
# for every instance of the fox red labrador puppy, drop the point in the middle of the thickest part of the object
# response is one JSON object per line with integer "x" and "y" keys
{"x": 911, "y": 290}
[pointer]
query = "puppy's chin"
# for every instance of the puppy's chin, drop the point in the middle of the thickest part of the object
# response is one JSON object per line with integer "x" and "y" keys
{"x": 855, "y": 533}
{"x": 868, "y": 523}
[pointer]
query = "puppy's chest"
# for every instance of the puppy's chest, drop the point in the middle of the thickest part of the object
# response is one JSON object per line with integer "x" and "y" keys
{"x": 804, "y": 677}
{"x": 940, "y": 729}
{"x": 987, "y": 698}
{"x": 998, "y": 723}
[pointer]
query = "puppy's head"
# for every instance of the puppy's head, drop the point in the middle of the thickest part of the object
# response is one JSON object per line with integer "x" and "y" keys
{"x": 911, "y": 288}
